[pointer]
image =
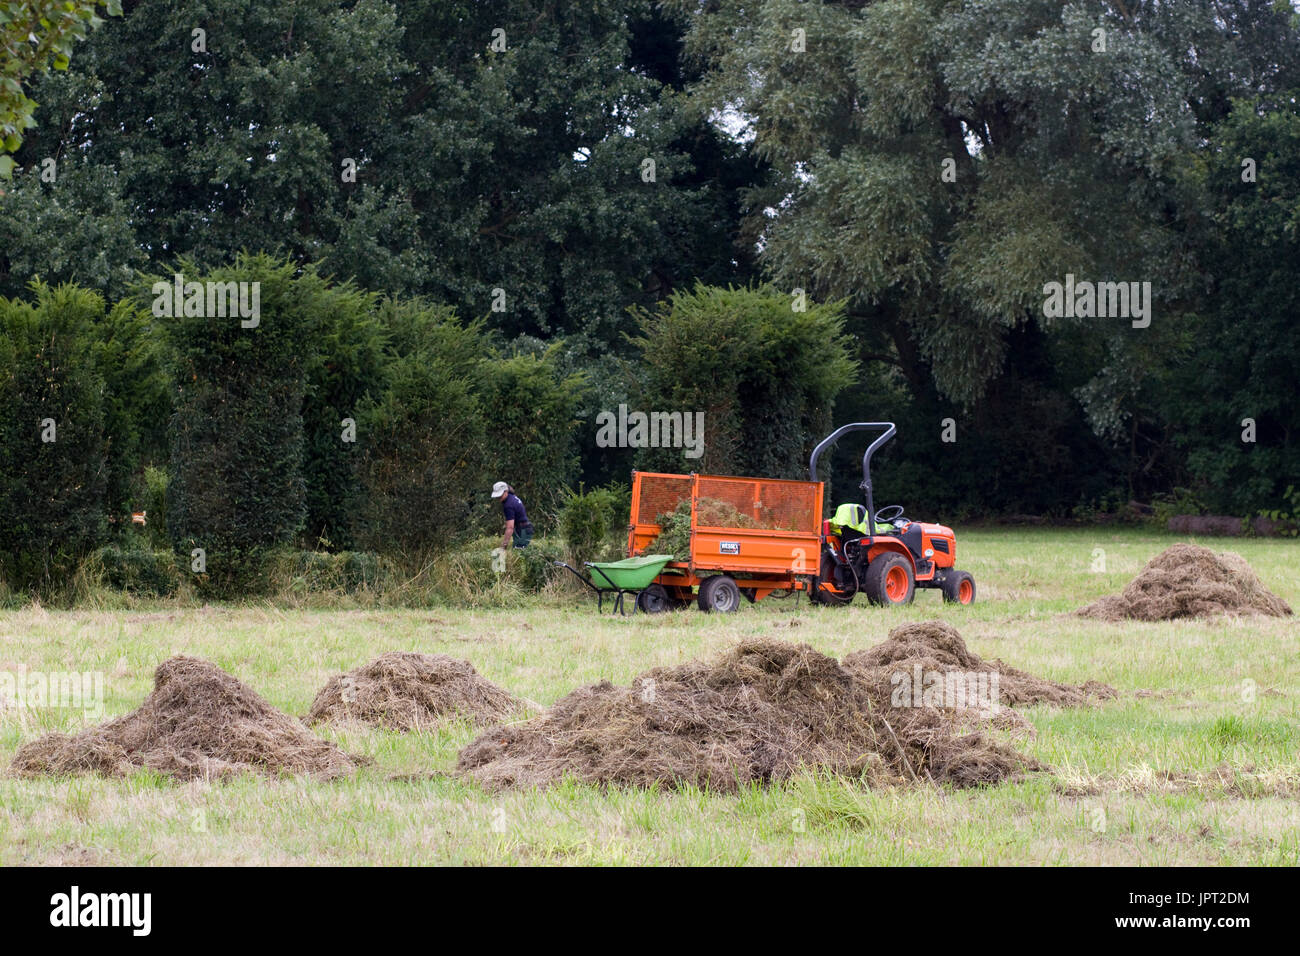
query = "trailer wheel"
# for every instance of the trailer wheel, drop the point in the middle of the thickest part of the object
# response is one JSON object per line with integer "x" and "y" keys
{"x": 719, "y": 593}
{"x": 958, "y": 588}
{"x": 654, "y": 600}
{"x": 889, "y": 580}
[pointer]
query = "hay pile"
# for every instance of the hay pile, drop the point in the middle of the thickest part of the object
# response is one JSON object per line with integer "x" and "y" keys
{"x": 407, "y": 691}
{"x": 1187, "y": 580}
{"x": 937, "y": 647}
{"x": 756, "y": 714}
{"x": 199, "y": 722}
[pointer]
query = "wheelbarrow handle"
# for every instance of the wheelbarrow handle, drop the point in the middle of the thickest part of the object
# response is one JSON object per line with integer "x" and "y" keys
{"x": 577, "y": 574}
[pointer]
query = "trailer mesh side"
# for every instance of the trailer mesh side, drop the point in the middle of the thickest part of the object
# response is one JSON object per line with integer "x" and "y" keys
{"x": 660, "y": 494}
{"x": 754, "y": 503}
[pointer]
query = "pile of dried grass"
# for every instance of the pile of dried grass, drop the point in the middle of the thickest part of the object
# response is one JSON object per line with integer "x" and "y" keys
{"x": 199, "y": 722}
{"x": 937, "y": 647}
{"x": 402, "y": 691}
{"x": 1187, "y": 580}
{"x": 757, "y": 714}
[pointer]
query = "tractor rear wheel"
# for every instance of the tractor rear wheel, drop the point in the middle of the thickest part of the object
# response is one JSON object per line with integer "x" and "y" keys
{"x": 822, "y": 588}
{"x": 958, "y": 588}
{"x": 889, "y": 580}
{"x": 719, "y": 593}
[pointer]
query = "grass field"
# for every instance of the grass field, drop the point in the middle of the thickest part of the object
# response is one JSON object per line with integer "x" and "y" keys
{"x": 1201, "y": 767}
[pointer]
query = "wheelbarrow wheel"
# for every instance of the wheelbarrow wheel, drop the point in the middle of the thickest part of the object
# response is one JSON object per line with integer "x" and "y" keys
{"x": 719, "y": 593}
{"x": 654, "y": 600}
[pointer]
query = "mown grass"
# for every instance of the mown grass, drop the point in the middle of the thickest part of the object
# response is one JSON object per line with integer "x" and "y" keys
{"x": 1198, "y": 761}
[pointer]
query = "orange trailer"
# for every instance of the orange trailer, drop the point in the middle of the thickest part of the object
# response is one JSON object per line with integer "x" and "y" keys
{"x": 752, "y": 536}
{"x": 773, "y": 542}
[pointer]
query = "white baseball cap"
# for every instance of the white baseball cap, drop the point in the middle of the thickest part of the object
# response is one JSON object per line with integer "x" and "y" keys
{"x": 499, "y": 489}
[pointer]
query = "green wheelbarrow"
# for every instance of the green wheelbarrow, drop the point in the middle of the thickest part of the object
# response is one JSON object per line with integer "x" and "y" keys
{"x": 620, "y": 578}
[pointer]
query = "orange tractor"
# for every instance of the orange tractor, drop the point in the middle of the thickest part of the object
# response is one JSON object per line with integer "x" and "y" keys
{"x": 750, "y": 537}
{"x": 884, "y": 554}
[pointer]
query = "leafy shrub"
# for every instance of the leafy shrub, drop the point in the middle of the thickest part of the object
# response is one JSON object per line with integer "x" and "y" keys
{"x": 155, "y": 503}
{"x": 1180, "y": 501}
{"x": 346, "y": 368}
{"x": 534, "y": 565}
{"x": 529, "y": 412}
{"x": 591, "y": 520}
{"x": 764, "y": 376}
{"x": 145, "y": 572}
{"x": 130, "y": 356}
{"x": 1288, "y": 518}
{"x": 422, "y": 467}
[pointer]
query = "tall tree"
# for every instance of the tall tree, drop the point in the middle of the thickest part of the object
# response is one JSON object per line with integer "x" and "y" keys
{"x": 529, "y": 161}
{"x": 36, "y": 35}
{"x": 938, "y": 162}
{"x": 1233, "y": 398}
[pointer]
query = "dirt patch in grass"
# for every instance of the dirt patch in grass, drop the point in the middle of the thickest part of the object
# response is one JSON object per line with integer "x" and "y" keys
{"x": 1187, "y": 580}
{"x": 914, "y": 652}
{"x": 405, "y": 691}
{"x": 197, "y": 723}
{"x": 758, "y": 713}
{"x": 1163, "y": 693}
{"x": 1244, "y": 782}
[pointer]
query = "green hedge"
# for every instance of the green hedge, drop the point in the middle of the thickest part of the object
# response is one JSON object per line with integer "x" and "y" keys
{"x": 53, "y": 446}
{"x": 237, "y": 480}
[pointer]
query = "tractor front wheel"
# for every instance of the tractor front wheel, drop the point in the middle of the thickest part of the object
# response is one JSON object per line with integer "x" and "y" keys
{"x": 958, "y": 588}
{"x": 889, "y": 580}
{"x": 719, "y": 593}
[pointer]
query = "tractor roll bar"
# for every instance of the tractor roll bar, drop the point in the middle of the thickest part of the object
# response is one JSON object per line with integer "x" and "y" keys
{"x": 866, "y": 459}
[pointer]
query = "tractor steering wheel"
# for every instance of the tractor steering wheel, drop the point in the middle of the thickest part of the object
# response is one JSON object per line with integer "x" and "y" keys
{"x": 889, "y": 514}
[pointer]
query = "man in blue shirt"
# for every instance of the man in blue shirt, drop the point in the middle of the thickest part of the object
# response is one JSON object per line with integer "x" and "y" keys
{"x": 519, "y": 530}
